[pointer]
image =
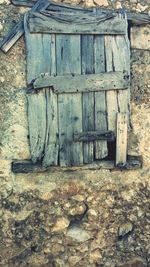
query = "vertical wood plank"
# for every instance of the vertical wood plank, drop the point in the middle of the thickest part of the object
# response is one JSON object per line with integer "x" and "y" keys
{"x": 121, "y": 141}
{"x": 101, "y": 150}
{"x": 37, "y": 124}
{"x": 38, "y": 53}
{"x": 118, "y": 58}
{"x": 42, "y": 107}
{"x": 69, "y": 105}
{"x": 51, "y": 139}
{"x": 122, "y": 63}
{"x": 87, "y": 58}
{"x": 111, "y": 96}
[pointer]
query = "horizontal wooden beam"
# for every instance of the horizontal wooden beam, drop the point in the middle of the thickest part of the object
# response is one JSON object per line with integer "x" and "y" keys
{"x": 27, "y": 166}
{"x": 83, "y": 83}
{"x": 93, "y": 136}
{"x": 39, "y": 23}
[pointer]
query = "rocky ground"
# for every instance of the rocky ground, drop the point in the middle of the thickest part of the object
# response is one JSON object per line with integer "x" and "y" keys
{"x": 101, "y": 222}
{"x": 86, "y": 218}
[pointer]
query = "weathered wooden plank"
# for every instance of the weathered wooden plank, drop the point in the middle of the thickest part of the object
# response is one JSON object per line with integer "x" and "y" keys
{"x": 94, "y": 135}
{"x": 82, "y": 83}
{"x": 51, "y": 148}
{"x": 14, "y": 35}
{"x": 42, "y": 24}
{"x": 123, "y": 65}
{"x": 69, "y": 105}
{"x": 37, "y": 124}
{"x": 111, "y": 96}
{"x": 133, "y": 17}
{"x": 58, "y": 6}
{"x": 121, "y": 60}
{"x": 38, "y": 48}
{"x": 121, "y": 140}
{"x": 76, "y": 17}
{"x": 101, "y": 150}
{"x": 133, "y": 163}
{"x": 87, "y": 67}
{"x": 41, "y": 57}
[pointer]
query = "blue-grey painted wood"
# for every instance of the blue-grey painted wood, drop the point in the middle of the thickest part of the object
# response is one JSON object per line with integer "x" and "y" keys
{"x": 51, "y": 148}
{"x": 82, "y": 83}
{"x": 87, "y": 59}
{"x": 111, "y": 96}
{"x": 68, "y": 61}
{"x": 42, "y": 106}
{"x": 101, "y": 150}
{"x": 37, "y": 124}
{"x": 83, "y": 24}
{"x": 39, "y": 53}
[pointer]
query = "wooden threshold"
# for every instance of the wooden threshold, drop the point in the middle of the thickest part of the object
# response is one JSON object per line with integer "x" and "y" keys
{"x": 26, "y": 166}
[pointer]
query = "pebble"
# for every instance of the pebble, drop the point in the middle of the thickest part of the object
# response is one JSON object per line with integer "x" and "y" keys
{"x": 103, "y": 3}
{"x": 118, "y": 5}
{"x": 133, "y": 1}
{"x": 60, "y": 225}
{"x": 78, "y": 234}
{"x": 1, "y": 27}
{"x": 125, "y": 229}
{"x": 141, "y": 8}
{"x": 2, "y": 79}
{"x": 6, "y": 2}
{"x": 89, "y": 3}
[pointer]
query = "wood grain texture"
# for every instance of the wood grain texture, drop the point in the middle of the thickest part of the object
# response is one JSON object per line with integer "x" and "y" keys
{"x": 94, "y": 135}
{"x": 42, "y": 106}
{"x": 43, "y": 24}
{"x": 39, "y": 53}
{"x": 121, "y": 140}
{"x": 37, "y": 124}
{"x": 111, "y": 96}
{"x": 117, "y": 58}
{"x": 87, "y": 67}
{"x": 83, "y": 83}
{"x": 101, "y": 150}
{"x": 69, "y": 105}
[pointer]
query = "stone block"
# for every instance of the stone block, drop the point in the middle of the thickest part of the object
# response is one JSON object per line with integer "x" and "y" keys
{"x": 140, "y": 38}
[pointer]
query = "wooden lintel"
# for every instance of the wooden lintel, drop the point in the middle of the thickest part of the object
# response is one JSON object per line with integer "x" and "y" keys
{"x": 41, "y": 23}
{"x": 93, "y": 136}
{"x": 133, "y": 163}
{"x": 83, "y": 83}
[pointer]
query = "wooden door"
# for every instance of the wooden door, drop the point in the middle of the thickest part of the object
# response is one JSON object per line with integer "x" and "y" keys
{"x": 78, "y": 71}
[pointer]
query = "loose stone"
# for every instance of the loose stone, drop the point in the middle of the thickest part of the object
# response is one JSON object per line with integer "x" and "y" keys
{"x": 125, "y": 229}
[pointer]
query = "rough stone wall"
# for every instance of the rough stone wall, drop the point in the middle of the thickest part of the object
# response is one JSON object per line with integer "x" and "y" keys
{"x": 84, "y": 218}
